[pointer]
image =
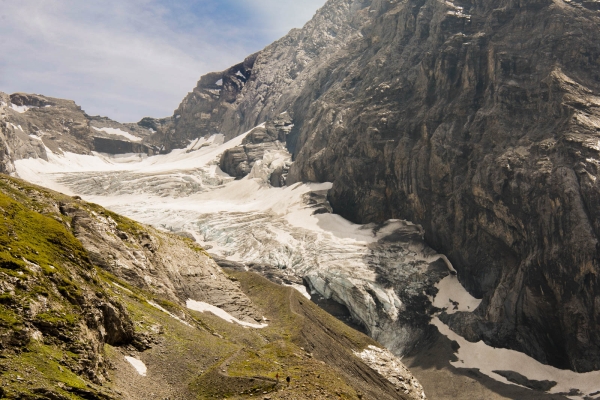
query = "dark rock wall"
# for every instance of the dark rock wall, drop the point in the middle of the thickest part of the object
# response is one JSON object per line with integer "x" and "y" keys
{"x": 479, "y": 120}
{"x": 116, "y": 146}
{"x": 485, "y": 129}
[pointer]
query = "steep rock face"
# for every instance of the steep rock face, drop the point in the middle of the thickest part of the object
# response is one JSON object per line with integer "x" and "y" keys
{"x": 30, "y": 124}
{"x": 239, "y": 161}
{"x": 267, "y": 83}
{"x": 481, "y": 123}
{"x": 478, "y": 120}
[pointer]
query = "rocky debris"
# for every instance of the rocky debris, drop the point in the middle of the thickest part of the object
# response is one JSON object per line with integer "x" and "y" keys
{"x": 118, "y": 146}
{"x": 389, "y": 366}
{"x": 266, "y": 145}
{"x": 157, "y": 262}
{"x": 477, "y": 120}
{"x": 204, "y": 111}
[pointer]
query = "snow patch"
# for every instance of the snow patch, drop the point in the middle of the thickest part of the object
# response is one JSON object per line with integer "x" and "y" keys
{"x": 118, "y": 132}
{"x": 153, "y": 304}
{"x": 139, "y": 365}
{"x": 204, "y": 307}
{"x": 20, "y": 109}
{"x": 301, "y": 289}
{"x": 453, "y": 297}
{"x": 389, "y": 366}
{"x": 488, "y": 359}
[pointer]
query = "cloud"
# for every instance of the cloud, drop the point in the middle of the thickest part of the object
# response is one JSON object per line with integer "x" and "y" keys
{"x": 129, "y": 59}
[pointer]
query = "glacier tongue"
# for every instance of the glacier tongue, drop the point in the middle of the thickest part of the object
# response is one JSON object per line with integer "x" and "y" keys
{"x": 383, "y": 274}
{"x": 388, "y": 278}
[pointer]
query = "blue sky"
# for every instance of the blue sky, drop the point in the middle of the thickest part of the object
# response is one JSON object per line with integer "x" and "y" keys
{"x": 127, "y": 59}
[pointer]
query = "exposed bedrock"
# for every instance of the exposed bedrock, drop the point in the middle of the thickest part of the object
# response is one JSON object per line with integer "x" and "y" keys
{"x": 117, "y": 146}
{"x": 268, "y": 138}
{"x": 479, "y": 120}
{"x": 482, "y": 124}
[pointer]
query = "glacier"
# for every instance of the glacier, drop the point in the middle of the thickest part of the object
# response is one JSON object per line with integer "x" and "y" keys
{"x": 389, "y": 279}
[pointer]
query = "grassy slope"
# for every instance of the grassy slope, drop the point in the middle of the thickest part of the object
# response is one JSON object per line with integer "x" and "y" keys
{"x": 50, "y": 349}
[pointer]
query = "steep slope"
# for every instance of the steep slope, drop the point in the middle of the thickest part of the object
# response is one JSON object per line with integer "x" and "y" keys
{"x": 478, "y": 120}
{"x": 30, "y": 123}
{"x": 96, "y": 306}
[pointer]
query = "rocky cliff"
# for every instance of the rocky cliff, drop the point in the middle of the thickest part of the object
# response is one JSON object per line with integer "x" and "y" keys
{"x": 30, "y": 124}
{"x": 479, "y": 120}
{"x": 96, "y": 306}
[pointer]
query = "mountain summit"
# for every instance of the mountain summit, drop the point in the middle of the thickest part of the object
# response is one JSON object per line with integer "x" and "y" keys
{"x": 479, "y": 120}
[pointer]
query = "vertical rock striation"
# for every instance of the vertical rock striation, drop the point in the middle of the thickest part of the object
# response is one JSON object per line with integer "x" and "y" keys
{"x": 479, "y": 120}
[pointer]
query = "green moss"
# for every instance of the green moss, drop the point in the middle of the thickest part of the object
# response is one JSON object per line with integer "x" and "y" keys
{"x": 26, "y": 234}
{"x": 56, "y": 318}
{"x": 8, "y": 318}
{"x": 7, "y": 298}
{"x": 41, "y": 369}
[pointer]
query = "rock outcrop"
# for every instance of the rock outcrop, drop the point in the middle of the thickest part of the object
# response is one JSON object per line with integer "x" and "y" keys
{"x": 268, "y": 138}
{"x": 30, "y": 124}
{"x": 478, "y": 120}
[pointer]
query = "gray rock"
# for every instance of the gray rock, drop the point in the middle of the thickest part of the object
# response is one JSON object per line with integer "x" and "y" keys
{"x": 478, "y": 120}
{"x": 238, "y": 161}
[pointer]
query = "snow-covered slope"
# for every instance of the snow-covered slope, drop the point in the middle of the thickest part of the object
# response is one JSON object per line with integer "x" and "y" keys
{"x": 387, "y": 277}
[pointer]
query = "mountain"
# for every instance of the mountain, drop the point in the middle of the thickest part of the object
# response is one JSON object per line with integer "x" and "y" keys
{"x": 479, "y": 120}
{"x": 461, "y": 138}
{"x": 32, "y": 123}
{"x": 96, "y": 306}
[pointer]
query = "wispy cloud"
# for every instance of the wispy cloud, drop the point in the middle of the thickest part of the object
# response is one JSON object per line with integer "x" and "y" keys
{"x": 129, "y": 59}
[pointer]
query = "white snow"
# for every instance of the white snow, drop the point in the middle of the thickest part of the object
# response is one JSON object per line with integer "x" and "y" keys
{"x": 204, "y": 307}
{"x": 122, "y": 288}
{"x": 153, "y": 304}
{"x": 450, "y": 290}
{"x": 20, "y": 109}
{"x": 247, "y": 220}
{"x": 389, "y": 366}
{"x": 487, "y": 359}
{"x": 139, "y": 365}
{"x": 118, "y": 132}
{"x": 301, "y": 289}
{"x": 219, "y": 82}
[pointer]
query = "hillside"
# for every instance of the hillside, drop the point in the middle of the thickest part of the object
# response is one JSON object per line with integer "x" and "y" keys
{"x": 96, "y": 306}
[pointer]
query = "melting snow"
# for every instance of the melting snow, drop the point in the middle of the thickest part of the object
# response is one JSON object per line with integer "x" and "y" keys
{"x": 301, "y": 289}
{"x": 487, "y": 359}
{"x": 118, "y": 132}
{"x": 453, "y": 297}
{"x": 139, "y": 366}
{"x": 153, "y": 304}
{"x": 20, "y": 109}
{"x": 204, "y": 307}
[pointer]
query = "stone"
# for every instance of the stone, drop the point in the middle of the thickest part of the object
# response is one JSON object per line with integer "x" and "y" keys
{"x": 478, "y": 120}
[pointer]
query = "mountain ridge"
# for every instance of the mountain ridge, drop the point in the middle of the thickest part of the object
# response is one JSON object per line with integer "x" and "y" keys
{"x": 449, "y": 114}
